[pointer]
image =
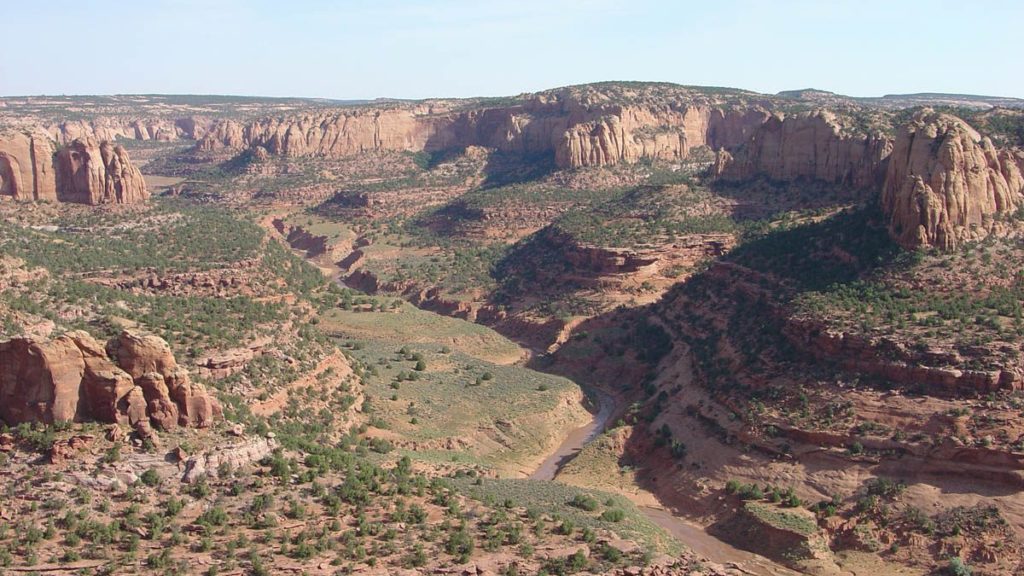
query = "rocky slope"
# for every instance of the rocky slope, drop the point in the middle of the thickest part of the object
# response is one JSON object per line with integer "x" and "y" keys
{"x": 86, "y": 171}
{"x": 135, "y": 379}
{"x": 946, "y": 184}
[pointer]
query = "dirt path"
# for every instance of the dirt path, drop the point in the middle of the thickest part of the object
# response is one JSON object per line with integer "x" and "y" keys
{"x": 715, "y": 550}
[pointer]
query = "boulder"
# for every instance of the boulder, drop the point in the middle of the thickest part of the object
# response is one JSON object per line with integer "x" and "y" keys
{"x": 63, "y": 450}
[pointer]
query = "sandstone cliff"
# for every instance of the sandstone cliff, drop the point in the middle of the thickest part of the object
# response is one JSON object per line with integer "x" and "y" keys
{"x": 98, "y": 173}
{"x": 946, "y": 184}
{"x": 87, "y": 171}
{"x": 73, "y": 378}
{"x": 813, "y": 146}
{"x": 656, "y": 132}
{"x": 26, "y": 166}
{"x": 144, "y": 128}
{"x": 576, "y": 131}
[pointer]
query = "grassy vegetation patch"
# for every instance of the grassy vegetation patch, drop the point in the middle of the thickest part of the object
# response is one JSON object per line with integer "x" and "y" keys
{"x": 554, "y": 499}
{"x": 782, "y": 519}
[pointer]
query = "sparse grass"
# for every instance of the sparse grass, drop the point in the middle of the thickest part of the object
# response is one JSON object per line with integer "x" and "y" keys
{"x": 408, "y": 324}
{"x": 782, "y": 518}
{"x": 553, "y": 499}
{"x": 504, "y": 421}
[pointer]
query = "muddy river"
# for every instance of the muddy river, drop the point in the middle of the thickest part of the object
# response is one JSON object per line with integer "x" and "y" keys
{"x": 689, "y": 534}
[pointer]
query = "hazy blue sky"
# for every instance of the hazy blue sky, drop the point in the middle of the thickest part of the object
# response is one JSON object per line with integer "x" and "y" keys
{"x": 418, "y": 48}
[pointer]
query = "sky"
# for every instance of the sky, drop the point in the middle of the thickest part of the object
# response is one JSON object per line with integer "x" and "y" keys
{"x": 364, "y": 49}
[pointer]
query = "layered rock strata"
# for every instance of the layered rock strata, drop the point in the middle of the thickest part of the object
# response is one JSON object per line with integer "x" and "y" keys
{"x": 90, "y": 172}
{"x": 26, "y": 167}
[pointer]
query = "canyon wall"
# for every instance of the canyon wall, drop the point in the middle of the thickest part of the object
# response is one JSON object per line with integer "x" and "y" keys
{"x": 812, "y": 146}
{"x": 946, "y": 185}
{"x": 941, "y": 183}
{"x": 575, "y": 133}
{"x": 26, "y": 166}
{"x": 144, "y": 128}
{"x": 86, "y": 171}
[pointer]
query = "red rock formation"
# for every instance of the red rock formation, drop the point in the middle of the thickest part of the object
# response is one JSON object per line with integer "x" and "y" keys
{"x": 668, "y": 132}
{"x": 87, "y": 171}
{"x": 139, "y": 354}
{"x": 40, "y": 381}
{"x": 577, "y": 131}
{"x": 98, "y": 173}
{"x": 146, "y": 128}
{"x": 71, "y": 378}
{"x": 26, "y": 167}
{"x": 812, "y": 146}
{"x": 328, "y": 134}
{"x": 941, "y": 373}
{"x": 946, "y": 184}
{"x": 225, "y": 134}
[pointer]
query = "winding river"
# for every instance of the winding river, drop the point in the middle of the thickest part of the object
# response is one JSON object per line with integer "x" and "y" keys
{"x": 689, "y": 534}
{"x": 577, "y": 439}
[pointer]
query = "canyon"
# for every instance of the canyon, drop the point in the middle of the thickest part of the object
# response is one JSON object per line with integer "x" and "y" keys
{"x": 798, "y": 315}
{"x": 928, "y": 172}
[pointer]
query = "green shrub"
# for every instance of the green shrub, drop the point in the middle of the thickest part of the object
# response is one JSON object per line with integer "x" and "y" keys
{"x": 150, "y": 477}
{"x": 957, "y": 567}
{"x": 584, "y": 502}
{"x": 613, "y": 515}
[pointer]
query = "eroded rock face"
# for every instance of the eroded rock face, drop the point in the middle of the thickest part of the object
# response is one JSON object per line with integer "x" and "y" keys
{"x": 142, "y": 128}
{"x": 40, "y": 381}
{"x": 813, "y": 146}
{"x": 71, "y": 378}
{"x": 669, "y": 133}
{"x": 87, "y": 171}
{"x": 946, "y": 185}
{"x": 577, "y": 132}
{"x": 233, "y": 457}
{"x": 26, "y": 167}
{"x": 139, "y": 354}
{"x": 90, "y": 172}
